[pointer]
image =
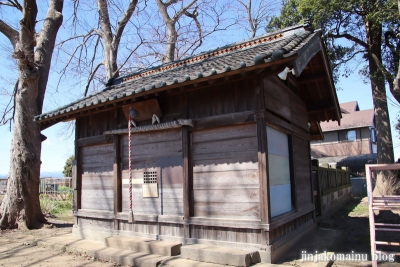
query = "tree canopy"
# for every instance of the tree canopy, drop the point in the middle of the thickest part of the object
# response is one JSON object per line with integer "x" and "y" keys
{"x": 364, "y": 32}
{"x": 68, "y": 167}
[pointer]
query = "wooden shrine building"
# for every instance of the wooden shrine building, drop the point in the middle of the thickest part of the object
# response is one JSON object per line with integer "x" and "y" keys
{"x": 220, "y": 153}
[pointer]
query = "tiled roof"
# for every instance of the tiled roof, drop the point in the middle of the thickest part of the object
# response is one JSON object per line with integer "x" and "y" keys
{"x": 229, "y": 58}
{"x": 349, "y": 107}
{"x": 351, "y": 118}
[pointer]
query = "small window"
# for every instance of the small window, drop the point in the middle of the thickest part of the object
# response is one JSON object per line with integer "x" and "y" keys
{"x": 150, "y": 177}
{"x": 279, "y": 172}
{"x": 349, "y": 135}
{"x": 373, "y": 135}
{"x": 150, "y": 187}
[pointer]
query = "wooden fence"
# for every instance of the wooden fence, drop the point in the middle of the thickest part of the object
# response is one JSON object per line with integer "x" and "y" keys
{"x": 327, "y": 181}
{"x": 54, "y": 185}
{"x": 331, "y": 180}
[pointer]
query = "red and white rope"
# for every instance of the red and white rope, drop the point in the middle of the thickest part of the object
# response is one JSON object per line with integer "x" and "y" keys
{"x": 130, "y": 162}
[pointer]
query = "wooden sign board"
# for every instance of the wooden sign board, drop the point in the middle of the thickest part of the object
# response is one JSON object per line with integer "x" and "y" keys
{"x": 145, "y": 109}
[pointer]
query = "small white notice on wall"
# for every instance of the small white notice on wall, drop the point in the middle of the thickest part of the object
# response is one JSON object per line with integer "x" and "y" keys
{"x": 150, "y": 190}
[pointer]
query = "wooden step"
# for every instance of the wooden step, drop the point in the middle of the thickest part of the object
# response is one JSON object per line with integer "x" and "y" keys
{"x": 144, "y": 245}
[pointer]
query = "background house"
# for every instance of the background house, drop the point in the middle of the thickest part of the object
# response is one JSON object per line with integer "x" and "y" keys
{"x": 352, "y": 143}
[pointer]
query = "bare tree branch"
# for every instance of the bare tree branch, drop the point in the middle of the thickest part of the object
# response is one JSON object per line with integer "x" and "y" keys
{"x": 12, "y": 3}
{"x": 91, "y": 78}
{"x": 9, "y": 32}
{"x": 123, "y": 21}
{"x": 183, "y": 10}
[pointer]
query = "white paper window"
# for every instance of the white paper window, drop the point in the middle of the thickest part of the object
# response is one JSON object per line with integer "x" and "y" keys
{"x": 279, "y": 172}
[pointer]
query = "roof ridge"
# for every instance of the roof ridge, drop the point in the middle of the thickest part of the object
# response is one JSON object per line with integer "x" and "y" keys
{"x": 214, "y": 52}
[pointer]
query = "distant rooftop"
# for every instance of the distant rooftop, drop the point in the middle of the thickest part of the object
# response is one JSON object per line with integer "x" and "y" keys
{"x": 352, "y": 117}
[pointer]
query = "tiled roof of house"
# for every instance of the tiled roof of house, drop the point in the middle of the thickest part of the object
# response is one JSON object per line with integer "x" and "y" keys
{"x": 351, "y": 118}
{"x": 349, "y": 107}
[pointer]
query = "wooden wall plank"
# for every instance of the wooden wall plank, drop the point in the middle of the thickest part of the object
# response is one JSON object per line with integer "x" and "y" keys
{"x": 221, "y": 99}
{"x": 161, "y": 152}
{"x": 222, "y": 167}
{"x": 302, "y": 174}
{"x": 250, "y": 236}
{"x": 97, "y": 182}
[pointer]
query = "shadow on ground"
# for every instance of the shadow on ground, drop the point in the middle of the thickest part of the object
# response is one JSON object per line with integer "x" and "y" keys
{"x": 346, "y": 232}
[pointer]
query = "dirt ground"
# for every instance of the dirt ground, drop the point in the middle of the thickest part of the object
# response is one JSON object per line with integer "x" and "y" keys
{"x": 349, "y": 232}
{"x": 353, "y": 220}
{"x": 17, "y": 248}
{"x": 346, "y": 232}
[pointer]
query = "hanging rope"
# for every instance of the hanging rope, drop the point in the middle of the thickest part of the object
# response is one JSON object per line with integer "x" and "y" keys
{"x": 130, "y": 219}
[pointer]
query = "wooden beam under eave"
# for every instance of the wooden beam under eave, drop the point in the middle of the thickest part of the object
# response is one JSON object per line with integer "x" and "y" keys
{"x": 47, "y": 124}
{"x": 320, "y": 108}
{"x": 311, "y": 78}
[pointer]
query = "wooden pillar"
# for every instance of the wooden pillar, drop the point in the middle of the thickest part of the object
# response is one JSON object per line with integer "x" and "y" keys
{"x": 117, "y": 179}
{"x": 186, "y": 172}
{"x": 77, "y": 175}
{"x": 265, "y": 214}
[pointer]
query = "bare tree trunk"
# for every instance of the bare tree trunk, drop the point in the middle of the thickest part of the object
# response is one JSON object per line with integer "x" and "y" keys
{"x": 172, "y": 34}
{"x": 172, "y": 37}
{"x": 21, "y": 206}
{"x": 111, "y": 41}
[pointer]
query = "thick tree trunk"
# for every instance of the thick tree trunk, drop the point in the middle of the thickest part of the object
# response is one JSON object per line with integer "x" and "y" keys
{"x": 21, "y": 206}
{"x": 381, "y": 112}
{"x": 382, "y": 120}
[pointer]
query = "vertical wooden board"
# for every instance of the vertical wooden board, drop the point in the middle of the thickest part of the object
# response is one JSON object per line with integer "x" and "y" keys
{"x": 170, "y": 229}
{"x": 302, "y": 175}
{"x": 276, "y": 98}
{"x": 216, "y": 105}
{"x": 248, "y": 236}
{"x": 299, "y": 113}
{"x": 98, "y": 154}
{"x": 97, "y": 191}
{"x": 228, "y": 103}
{"x": 97, "y": 185}
{"x": 168, "y": 202}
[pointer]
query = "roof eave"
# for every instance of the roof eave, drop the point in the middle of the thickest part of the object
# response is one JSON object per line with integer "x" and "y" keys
{"x": 70, "y": 114}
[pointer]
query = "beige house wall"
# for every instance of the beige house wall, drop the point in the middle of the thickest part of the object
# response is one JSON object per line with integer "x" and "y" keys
{"x": 343, "y": 148}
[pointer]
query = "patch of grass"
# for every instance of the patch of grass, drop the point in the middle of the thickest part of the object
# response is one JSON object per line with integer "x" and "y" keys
{"x": 62, "y": 209}
{"x": 356, "y": 208}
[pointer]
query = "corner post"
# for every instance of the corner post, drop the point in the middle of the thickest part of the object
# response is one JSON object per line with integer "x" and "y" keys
{"x": 265, "y": 213}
